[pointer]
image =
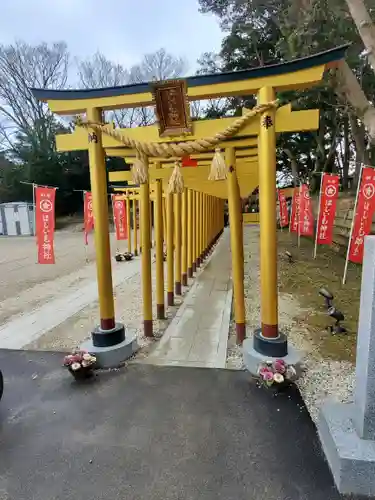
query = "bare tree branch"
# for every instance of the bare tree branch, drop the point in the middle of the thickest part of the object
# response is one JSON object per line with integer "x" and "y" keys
{"x": 100, "y": 72}
{"x": 23, "y": 67}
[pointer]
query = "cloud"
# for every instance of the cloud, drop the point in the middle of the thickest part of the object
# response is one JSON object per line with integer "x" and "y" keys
{"x": 123, "y": 31}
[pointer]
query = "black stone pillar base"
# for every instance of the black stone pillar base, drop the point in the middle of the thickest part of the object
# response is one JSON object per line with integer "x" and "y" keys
{"x": 108, "y": 338}
{"x": 272, "y": 347}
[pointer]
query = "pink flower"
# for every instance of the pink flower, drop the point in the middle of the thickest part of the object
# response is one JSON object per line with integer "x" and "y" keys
{"x": 267, "y": 375}
{"x": 263, "y": 371}
{"x": 68, "y": 360}
{"x": 279, "y": 366}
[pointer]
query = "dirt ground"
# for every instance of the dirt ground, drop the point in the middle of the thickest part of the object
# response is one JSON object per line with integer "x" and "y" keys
{"x": 24, "y": 284}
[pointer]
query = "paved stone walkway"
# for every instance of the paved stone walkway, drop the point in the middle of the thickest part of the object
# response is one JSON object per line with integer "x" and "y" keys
{"x": 198, "y": 335}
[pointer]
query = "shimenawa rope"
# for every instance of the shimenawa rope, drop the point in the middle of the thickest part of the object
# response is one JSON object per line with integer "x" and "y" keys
{"x": 166, "y": 150}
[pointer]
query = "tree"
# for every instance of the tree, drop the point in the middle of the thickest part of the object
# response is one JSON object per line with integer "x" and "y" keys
{"x": 23, "y": 67}
{"x": 262, "y": 32}
{"x": 350, "y": 87}
{"x": 157, "y": 66}
{"x": 98, "y": 71}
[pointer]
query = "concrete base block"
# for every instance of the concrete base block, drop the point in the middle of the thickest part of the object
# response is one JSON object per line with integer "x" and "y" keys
{"x": 351, "y": 459}
{"x": 113, "y": 356}
{"x": 252, "y": 358}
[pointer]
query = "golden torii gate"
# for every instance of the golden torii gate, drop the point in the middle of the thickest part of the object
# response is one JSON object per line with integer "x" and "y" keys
{"x": 265, "y": 82}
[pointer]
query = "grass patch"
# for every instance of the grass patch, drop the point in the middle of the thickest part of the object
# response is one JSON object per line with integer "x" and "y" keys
{"x": 305, "y": 276}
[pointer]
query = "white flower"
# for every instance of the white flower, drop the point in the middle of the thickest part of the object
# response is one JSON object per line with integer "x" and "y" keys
{"x": 87, "y": 356}
{"x": 269, "y": 361}
{"x": 93, "y": 359}
{"x": 278, "y": 378}
{"x": 75, "y": 366}
{"x": 290, "y": 372}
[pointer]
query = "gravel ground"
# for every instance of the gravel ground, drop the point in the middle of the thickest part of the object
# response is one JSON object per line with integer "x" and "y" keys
{"x": 323, "y": 377}
{"x": 128, "y": 308}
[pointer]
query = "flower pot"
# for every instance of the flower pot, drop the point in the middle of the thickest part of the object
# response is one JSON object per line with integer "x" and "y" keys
{"x": 276, "y": 389}
{"x": 83, "y": 373}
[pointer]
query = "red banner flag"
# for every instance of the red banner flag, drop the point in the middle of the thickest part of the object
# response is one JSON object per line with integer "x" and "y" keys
{"x": 307, "y": 218}
{"x": 365, "y": 208}
{"x": 119, "y": 216}
{"x": 88, "y": 215}
{"x": 186, "y": 161}
{"x": 283, "y": 209}
{"x": 45, "y": 224}
{"x": 329, "y": 192}
{"x": 294, "y": 218}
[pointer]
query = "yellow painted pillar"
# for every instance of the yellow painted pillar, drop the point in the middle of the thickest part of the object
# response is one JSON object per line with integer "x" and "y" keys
{"x": 216, "y": 209}
{"x": 204, "y": 220}
{"x": 178, "y": 239}
{"x": 128, "y": 223}
{"x": 202, "y": 227}
{"x": 159, "y": 243}
{"x": 140, "y": 225}
{"x": 198, "y": 228}
{"x": 170, "y": 251}
{"x": 221, "y": 210}
{"x": 135, "y": 228}
{"x": 206, "y": 211}
{"x": 165, "y": 220}
{"x": 98, "y": 180}
{"x": 190, "y": 233}
{"x": 215, "y": 227}
{"x": 184, "y": 238}
{"x": 153, "y": 226}
{"x": 239, "y": 209}
{"x": 194, "y": 230}
{"x": 211, "y": 220}
{"x": 146, "y": 258}
{"x": 267, "y": 214}
{"x": 236, "y": 239}
{"x": 151, "y": 214}
{"x": 214, "y": 220}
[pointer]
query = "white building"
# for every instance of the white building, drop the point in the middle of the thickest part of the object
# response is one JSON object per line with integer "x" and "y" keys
{"x": 17, "y": 219}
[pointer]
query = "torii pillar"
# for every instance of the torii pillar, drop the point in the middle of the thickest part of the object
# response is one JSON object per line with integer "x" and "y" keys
{"x": 108, "y": 341}
{"x": 268, "y": 341}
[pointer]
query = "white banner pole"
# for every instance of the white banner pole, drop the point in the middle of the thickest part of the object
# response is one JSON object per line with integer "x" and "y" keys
{"x": 87, "y": 235}
{"x": 278, "y": 199}
{"x": 352, "y": 226}
{"x": 291, "y": 211}
{"x": 299, "y": 214}
{"x": 317, "y": 222}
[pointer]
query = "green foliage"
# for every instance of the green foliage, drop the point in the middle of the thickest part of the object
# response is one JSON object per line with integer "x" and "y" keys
{"x": 263, "y": 32}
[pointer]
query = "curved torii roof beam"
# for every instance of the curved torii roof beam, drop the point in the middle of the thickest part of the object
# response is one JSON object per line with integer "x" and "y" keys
{"x": 296, "y": 74}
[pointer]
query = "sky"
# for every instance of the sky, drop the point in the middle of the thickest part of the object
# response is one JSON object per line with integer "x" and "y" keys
{"x": 123, "y": 30}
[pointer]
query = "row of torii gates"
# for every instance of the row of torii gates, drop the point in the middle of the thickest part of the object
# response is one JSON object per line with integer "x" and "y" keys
{"x": 194, "y": 211}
